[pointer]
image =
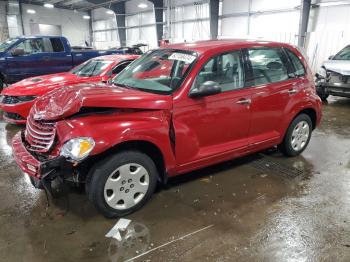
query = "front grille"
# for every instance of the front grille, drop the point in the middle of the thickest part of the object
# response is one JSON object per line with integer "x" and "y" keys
{"x": 13, "y": 116}
{"x": 10, "y": 100}
{"x": 40, "y": 135}
{"x": 334, "y": 77}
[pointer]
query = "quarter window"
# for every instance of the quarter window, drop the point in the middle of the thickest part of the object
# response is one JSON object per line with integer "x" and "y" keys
{"x": 32, "y": 46}
{"x": 267, "y": 66}
{"x": 225, "y": 69}
{"x": 299, "y": 69}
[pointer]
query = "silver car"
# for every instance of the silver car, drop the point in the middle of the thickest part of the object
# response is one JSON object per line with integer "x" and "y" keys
{"x": 333, "y": 78}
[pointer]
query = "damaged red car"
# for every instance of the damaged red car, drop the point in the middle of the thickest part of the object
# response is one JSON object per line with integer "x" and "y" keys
{"x": 220, "y": 100}
{"x": 17, "y": 99}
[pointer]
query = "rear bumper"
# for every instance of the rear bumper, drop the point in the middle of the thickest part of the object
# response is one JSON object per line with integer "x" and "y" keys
{"x": 39, "y": 170}
{"x": 21, "y": 109}
{"x": 336, "y": 89}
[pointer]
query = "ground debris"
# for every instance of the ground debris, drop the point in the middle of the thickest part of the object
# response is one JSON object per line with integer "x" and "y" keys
{"x": 206, "y": 180}
{"x": 71, "y": 232}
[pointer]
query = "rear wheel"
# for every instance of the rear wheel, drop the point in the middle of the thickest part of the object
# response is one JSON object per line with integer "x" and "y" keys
{"x": 123, "y": 183}
{"x": 297, "y": 137}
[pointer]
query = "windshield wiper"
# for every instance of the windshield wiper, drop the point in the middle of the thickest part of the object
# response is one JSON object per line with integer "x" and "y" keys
{"x": 122, "y": 85}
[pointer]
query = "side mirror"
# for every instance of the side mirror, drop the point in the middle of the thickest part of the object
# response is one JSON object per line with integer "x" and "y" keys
{"x": 17, "y": 52}
{"x": 105, "y": 78}
{"x": 208, "y": 88}
{"x": 331, "y": 57}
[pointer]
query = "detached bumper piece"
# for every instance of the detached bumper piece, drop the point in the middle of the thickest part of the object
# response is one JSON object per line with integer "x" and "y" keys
{"x": 41, "y": 172}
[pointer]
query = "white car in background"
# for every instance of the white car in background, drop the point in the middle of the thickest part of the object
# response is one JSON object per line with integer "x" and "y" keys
{"x": 333, "y": 78}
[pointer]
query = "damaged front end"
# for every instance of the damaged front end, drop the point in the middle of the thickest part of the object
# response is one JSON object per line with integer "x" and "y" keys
{"x": 333, "y": 79}
{"x": 37, "y": 151}
{"x": 68, "y": 130}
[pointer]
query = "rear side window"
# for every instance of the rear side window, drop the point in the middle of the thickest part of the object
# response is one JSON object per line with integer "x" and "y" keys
{"x": 120, "y": 67}
{"x": 267, "y": 66}
{"x": 57, "y": 45}
{"x": 299, "y": 69}
{"x": 225, "y": 69}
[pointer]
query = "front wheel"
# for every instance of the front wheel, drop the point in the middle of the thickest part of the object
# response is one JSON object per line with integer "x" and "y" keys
{"x": 123, "y": 183}
{"x": 323, "y": 97}
{"x": 297, "y": 137}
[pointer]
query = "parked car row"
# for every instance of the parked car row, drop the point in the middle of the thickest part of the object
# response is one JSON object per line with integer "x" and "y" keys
{"x": 173, "y": 110}
{"x": 28, "y": 56}
{"x": 17, "y": 99}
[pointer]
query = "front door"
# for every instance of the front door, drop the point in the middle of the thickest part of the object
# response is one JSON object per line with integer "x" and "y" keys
{"x": 212, "y": 127}
{"x": 32, "y": 63}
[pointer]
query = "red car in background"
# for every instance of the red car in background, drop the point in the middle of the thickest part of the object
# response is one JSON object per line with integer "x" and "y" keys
{"x": 17, "y": 99}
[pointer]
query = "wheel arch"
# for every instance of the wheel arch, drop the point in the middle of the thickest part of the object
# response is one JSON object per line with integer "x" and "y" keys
{"x": 311, "y": 113}
{"x": 143, "y": 146}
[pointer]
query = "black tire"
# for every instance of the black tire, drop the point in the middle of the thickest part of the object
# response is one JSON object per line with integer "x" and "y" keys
{"x": 95, "y": 184}
{"x": 1, "y": 84}
{"x": 286, "y": 146}
{"x": 323, "y": 97}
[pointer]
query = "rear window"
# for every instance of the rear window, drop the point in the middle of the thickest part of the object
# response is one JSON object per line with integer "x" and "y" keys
{"x": 57, "y": 45}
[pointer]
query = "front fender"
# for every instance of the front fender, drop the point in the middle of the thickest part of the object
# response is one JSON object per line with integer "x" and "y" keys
{"x": 109, "y": 130}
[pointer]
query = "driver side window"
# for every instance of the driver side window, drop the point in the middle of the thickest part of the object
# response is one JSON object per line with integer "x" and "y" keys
{"x": 225, "y": 69}
{"x": 32, "y": 46}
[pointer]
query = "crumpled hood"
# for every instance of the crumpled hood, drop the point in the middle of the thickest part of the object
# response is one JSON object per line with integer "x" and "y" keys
{"x": 67, "y": 101}
{"x": 338, "y": 66}
{"x": 39, "y": 85}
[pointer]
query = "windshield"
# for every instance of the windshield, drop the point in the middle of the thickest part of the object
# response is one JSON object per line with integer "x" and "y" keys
{"x": 91, "y": 68}
{"x": 7, "y": 43}
{"x": 160, "y": 71}
{"x": 343, "y": 54}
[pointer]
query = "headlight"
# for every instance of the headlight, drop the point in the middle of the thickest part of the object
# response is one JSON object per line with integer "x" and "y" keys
{"x": 1, "y": 98}
{"x": 78, "y": 148}
{"x": 26, "y": 98}
{"x": 322, "y": 72}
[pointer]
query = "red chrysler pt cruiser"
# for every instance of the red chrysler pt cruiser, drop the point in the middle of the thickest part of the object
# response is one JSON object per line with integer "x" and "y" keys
{"x": 176, "y": 109}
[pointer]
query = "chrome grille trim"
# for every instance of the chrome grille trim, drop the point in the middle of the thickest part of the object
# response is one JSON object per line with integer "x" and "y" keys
{"x": 40, "y": 135}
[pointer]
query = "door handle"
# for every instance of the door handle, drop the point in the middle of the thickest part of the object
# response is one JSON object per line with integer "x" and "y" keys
{"x": 292, "y": 91}
{"x": 244, "y": 102}
{"x": 46, "y": 58}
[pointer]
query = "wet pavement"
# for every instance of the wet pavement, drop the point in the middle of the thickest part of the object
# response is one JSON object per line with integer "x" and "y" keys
{"x": 263, "y": 207}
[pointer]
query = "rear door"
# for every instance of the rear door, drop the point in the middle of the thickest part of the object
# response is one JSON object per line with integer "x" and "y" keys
{"x": 57, "y": 58}
{"x": 270, "y": 76}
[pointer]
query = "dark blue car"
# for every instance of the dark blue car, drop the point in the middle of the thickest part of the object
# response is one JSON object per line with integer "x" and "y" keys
{"x": 27, "y": 56}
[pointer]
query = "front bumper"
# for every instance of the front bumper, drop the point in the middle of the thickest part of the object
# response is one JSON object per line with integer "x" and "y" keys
{"x": 336, "y": 89}
{"x": 20, "y": 109}
{"x": 40, "y": 171}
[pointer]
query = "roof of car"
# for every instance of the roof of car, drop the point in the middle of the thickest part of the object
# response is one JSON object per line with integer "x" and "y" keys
{"x": 117, "y": 57}
{"x": 208, "y": 45}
